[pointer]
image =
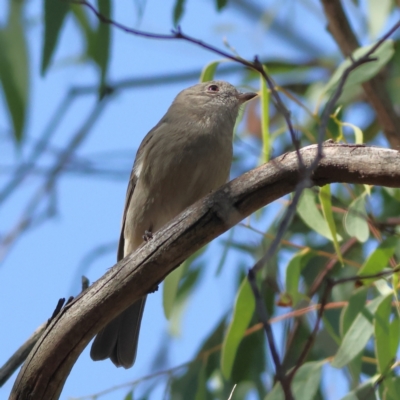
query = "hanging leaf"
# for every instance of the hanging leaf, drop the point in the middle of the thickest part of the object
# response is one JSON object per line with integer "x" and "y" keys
{"x": 221, "y": 4}
{"x": 242, "y": 314}
{"x": 377, "y": 15}
{"x": 363, "y": 73}
{"x": 378, "y": 259}
{"x": 305, "y": 383}
{"x": 355, "y": 220}
{"x": 311, "y": 216}
{"x": 265, "y": 133}
{"x": 293, "y": 271}
{"x": 208, "y": 72}
{"x": 55, "y": 12}
{"x": 386, "y": 336}
{"x": 325, "y": 199}
{"x": 179, "y": 9}
{"x": 357, "y": 335}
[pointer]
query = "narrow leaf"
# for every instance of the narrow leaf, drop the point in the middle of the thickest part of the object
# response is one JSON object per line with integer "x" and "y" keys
{"x": 357, "y": 335}
{"x": 325, "y": 199}
{"x": 55, "y": 12}
{"x": 355, "y": 305}
{"x": 355, "y": 220}
{"x": 305, "y": 383}
{"x": 14, "y": 68}
{"x": 363, "y": 73}
{"x": 379, "y": 258}
{"x": 208, "y": 72}
{"x": 386, "y": 336}
{"x": 311, "y": 216}
{"x": 221, "y": 4}
{"x": 102, "y": 40}
{"x": 365, "y": 391}
{"x": 179, "y": 8}
{"x": 293, "y": 271}
{"x": 378, "y": 12}
{"x": 242, "y": 314}
{"x": 265, "y": 133}
{"x": 170, "y": 288}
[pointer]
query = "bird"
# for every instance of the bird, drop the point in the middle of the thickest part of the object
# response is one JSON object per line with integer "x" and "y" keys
{"x": 187, "y": 155}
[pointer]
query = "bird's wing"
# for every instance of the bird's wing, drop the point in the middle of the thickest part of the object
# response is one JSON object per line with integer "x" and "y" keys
{"x": 137, "y": 166}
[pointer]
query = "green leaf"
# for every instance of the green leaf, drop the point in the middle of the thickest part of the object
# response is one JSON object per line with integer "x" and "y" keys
{"x": 355, "y": 220}
{"x": 305, "y": 383}
{"x": 221, "y": 4}
{"x": 201, "y": 384}
{"x": 386, "y": 336}
{"x": 178, "y": 11}
{"x": 357, "y": 335}
{"x": 311, "y": 216}
{"x": 325, "y": 199}
{"x": 171, "y": 283}
{"x": 356, "y": 304}
{"x": 363, "y": 73}
{"x": 392, "y": 386}
{"x": 379, "y": 259}
{"x": 208, "y": 72}
{"x": 265, "y": 133}
{"x": 242, "y": 314}
{"x": 101, "y": 39}
{"x": 377, "y": 15}
{"x": 365, "y": 391}
{"x": 129, "y": 395}
{"x": 293, "y": 271}
{"x": 170, "y": 288}
{"x": 14, "y": 68}
{"x": 55, "y": 12}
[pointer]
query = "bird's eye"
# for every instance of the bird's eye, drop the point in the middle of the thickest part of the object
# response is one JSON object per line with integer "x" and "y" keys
{"x": 213, "y": 88}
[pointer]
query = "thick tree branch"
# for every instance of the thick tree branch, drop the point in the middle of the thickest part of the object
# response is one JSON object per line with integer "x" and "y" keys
{"x": 377, "y": 95}
{"x": 48, "y": 365}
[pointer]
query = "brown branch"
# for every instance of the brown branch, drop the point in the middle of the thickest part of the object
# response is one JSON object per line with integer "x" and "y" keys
{"x": 340, "y": 29}
{"x": 49, "y": 363}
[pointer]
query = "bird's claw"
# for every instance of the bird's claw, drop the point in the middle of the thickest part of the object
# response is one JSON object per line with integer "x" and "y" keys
{"x": 147, "y": 236}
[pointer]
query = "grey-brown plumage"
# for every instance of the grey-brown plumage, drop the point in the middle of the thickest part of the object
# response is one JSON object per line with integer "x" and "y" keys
{"x": 184, "y": 157}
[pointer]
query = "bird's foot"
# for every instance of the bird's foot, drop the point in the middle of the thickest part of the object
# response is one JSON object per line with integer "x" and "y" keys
{"x": 147, "y": 236}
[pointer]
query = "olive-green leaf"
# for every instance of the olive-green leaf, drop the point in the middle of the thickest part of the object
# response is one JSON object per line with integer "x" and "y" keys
{"x": 55, "y": 12}
{"x": 14, "y": 68}
{"x": 386, "y": 335}
{"x": 355, "y": 220}
{"x": 101, "y": 48}
{"x": 378, "y": 12}
{"x": 208, "y": 72}
{"x": 379, "y": 258}
{"x": 265, "y": 133}
{"x": 325, "y": 199}
{"x": 221, "y": 4}
{"x": 357, "y": 335}
{"x": 305, "y": 383}
{"x": 311, "y": 216}
{"x": 242, "y": 314}
{"x": 363, "y": 73}
{"x": 356, "y": 303}
{"x": 179, "y": 9}
{"x": 293, "y": 271}
{"x": 363, "y": 392}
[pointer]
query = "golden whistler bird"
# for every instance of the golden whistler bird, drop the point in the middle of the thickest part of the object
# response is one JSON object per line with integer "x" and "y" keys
{"x": 186, "y": 156}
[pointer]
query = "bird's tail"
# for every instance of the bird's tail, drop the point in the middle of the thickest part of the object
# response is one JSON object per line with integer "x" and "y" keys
{"x": 119, "y": 339}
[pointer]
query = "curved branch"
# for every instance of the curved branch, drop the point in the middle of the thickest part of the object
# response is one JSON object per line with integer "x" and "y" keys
{"x": 49, "y": 363}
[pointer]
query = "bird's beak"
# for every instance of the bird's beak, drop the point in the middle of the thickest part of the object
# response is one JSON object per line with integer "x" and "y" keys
{"x": 243, "y": 97}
